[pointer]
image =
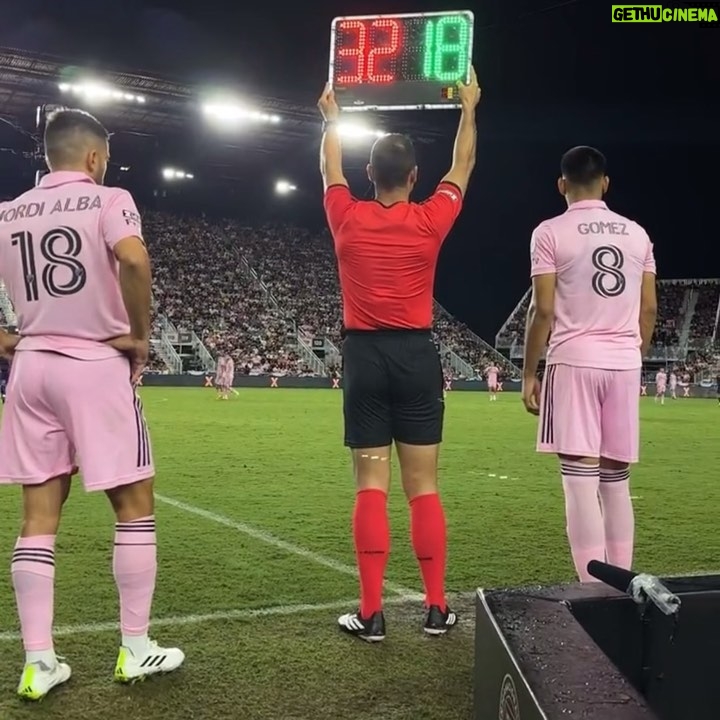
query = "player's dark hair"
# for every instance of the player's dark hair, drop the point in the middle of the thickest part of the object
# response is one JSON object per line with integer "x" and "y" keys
{"x": 392, "y": 159}
{"x": 64, "y": 130}
{"x": 583, "y": 166}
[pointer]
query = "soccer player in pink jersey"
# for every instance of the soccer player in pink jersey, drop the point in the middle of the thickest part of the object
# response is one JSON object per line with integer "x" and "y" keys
{"x": 77, "y": 272}
{"x": 491, "y": 374}
{"x": 673, "y": 384}
{"x": 660, "y": 386}
{"x": 220, "y": 377}
{"x": 593, "y": 274}
{"x": 229, "y": 377}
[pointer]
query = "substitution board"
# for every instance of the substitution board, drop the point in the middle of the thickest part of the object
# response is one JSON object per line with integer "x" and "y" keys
{"x": 400, "y": 62}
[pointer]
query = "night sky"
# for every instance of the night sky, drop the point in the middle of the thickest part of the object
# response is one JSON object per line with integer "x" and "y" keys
{"x": 554, "y": 74}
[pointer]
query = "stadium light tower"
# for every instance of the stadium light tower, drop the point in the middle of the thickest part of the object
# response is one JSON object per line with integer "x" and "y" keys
{"x": 233, "y": 114}
{"x": 358, "y": 131}
{"x": 171, "y": 174}
{"x": 283, "y": 187}
{"x": 97, "y": 92}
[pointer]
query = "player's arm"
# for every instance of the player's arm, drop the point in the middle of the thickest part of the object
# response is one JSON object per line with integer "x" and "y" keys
{"x": 648, "y": 311}
{"x": 648, "y": 300}
{"x": 465, "y": 148}
{"x": 135, "y": 284}
{"x": 541, "y": 311}
{"x": 541, "y": 314}
{"x": 122, "y": 232}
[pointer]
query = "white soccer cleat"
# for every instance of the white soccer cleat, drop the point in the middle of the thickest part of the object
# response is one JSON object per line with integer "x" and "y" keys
{"x": 38, "y": 679}
{"x": 131, "y": 668}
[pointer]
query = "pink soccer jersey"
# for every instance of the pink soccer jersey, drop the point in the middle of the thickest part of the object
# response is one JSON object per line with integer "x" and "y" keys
{"x": 56, "y": 260}
{"x": 599, "y": 258}
{"x": 673, "y": 381}
{"x": 660, "y": 380}
{"x": 491, "y": 373}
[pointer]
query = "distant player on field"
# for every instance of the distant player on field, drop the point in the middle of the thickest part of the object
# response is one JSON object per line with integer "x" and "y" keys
{"x": 77, "y": 272}
{"x": 673, "y": 384}
{"x": 224, "y": 376}
{"x": 387, "y": 251}
{"x": 660, "y": 386}
{"x": 219, "y": 376}
{"x": 491, "y": 374}
{"x": 593, "y": 274}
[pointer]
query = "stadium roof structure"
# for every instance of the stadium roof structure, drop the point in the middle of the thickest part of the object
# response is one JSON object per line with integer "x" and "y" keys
{"x": 170, "y": 119}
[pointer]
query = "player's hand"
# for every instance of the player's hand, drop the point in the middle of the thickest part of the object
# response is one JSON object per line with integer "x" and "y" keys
{"x": 531, "y": 394}
{"x": 8, "y": 343}
{"x": 327, "y": 104}
{"x": 470, "y": 93}
{"x": 137, "y": 352}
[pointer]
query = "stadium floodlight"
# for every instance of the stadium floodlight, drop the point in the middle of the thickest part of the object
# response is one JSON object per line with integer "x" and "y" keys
{"x": 235, "y": 113}
{"x": 99, "y": 92}
{"x": 173, "y": 174}
{"x": 357, "y": 131}
{"x": 283, "y": 187}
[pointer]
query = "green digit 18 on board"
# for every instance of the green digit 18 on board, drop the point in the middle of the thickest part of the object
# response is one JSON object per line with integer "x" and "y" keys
{"x": 446, "y": 48}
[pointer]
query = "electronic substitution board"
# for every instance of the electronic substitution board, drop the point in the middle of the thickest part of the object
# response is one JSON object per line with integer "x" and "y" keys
{"x": 400, "y": 62}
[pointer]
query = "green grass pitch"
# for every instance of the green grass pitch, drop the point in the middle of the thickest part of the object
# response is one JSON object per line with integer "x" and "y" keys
{"x": 256, "y": 558}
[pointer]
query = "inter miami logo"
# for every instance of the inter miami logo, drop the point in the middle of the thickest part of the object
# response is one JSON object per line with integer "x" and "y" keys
{"x": 509, "y": 706}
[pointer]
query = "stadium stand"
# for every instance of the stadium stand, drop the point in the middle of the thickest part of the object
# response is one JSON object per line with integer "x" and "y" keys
{"x": 685, "y": 336}
{"x": 262, "y": 295}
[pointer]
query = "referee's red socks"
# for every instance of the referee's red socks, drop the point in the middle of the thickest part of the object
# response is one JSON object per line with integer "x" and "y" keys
{"x": 429, "y": 539}
{"x": 371, "y": 530}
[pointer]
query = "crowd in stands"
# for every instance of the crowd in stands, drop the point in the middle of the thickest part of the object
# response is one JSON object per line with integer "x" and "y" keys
{"x": 671, "y": 309}
{"x": 200, "y": 286}
{"x": 705, "y": 316}
{"x": 289, "y": 281}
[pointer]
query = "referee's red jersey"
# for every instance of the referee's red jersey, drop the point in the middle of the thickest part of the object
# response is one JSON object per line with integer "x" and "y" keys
{"x": 387, "y": 256}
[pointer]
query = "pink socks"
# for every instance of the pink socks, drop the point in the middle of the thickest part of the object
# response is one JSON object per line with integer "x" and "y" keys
{"x": 33, "y": 576}
{"x": 585, "y": 527}
{"x": 135, "y": 568}
{"x": 618, "y": 517}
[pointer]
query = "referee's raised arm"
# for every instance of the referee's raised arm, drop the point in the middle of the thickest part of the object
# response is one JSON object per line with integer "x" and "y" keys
{"x": 465, "y": 148}
{"x": 387, "y": 250}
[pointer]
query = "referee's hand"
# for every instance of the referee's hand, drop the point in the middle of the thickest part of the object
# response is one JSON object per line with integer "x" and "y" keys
{"x": 470, "y": 93}
{"x": 327, "y": 104}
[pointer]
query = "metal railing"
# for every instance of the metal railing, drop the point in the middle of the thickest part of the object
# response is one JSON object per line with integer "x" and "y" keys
{"x": 207, "y": 360}
{"x": 456, "y": 363}
{"x": 313, "y": 361}
{"x": 167, "y": 352}
{"x": 503, "y": 339}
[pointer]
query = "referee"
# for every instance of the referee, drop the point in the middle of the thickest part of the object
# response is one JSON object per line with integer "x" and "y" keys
{"x": 387, "y": 250}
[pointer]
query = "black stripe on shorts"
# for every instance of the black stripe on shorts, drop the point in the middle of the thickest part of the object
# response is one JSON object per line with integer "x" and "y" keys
{"x": 547, "y": 430}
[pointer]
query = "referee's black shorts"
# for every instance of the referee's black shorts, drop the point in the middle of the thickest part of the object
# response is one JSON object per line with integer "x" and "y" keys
{"x": 392, "y": 388}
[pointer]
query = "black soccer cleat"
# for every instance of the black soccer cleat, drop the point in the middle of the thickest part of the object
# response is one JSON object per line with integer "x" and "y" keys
{"x": 370, "y": 629}
{"x": 438, "y": 622}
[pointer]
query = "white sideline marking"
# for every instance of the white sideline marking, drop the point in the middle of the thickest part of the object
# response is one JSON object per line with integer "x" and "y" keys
{"x": 178, "y": 620}
{"x": 277, "y": 542}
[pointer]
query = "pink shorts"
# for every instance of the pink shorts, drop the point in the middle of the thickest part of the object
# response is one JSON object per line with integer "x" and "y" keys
{"x": 587, "y": 412}
{"x": 660, "y": 389}
{"x": 62, "y": 413}
{"x": 492, "y": 386}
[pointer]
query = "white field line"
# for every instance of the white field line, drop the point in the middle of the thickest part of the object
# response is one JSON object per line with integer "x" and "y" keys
{"x": 277, "y": 542}
{"x": 222, "y": 615}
